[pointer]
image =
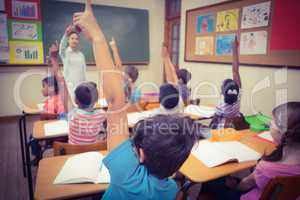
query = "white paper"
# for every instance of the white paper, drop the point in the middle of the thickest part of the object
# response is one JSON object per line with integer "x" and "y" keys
{"x": 26, "y": 31}
{"x": 83, "y": 168}
{"x": 213, "y": 154}
{"x": 103, "y": 103}
{"x": 266, "y": 135}
{"x": 256, "y": 15}
{"x": 4, "y": 49}
{"x": 40, "y": 106}
{"x": 208, "y": 155}
{"x": 134, "y": 117}
{"x": 253, "y": 43}
{"x": 237, "y": 151}
{"x": 59, "y": 127}
{"x": 201, "y": 111}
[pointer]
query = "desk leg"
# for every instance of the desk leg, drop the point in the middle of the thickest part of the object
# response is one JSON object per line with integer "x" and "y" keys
{"x": 28, "y": 164}
{"x": 22, "y": 145}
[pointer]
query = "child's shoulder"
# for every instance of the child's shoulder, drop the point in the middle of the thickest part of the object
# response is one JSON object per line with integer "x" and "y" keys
{"x": 277, "y": 168}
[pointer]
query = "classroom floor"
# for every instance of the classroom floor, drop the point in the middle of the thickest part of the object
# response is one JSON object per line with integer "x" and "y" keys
{"x": 13, "y": 186}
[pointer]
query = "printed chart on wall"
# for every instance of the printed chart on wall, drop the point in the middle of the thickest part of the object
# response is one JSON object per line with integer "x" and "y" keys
{"x": 3, "y": 39}
{"x": 259, "y": 25}
{"x": 24, "y": 30}
{"x": 26, "y": 52}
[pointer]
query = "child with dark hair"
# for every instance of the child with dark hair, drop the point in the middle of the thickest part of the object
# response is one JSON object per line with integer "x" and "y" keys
{"x": 132, "y": 93}
{"x": 140, "y": 167}
{"x": 169, "y": 99}
{"x": 73, "y": 59}
{"x": 85, "y": 122}
{"x": 53, "y": 105}
{"x": 231, "y": 90}
{"x": 283, "y": 161}
{"x": 179, "y": 78}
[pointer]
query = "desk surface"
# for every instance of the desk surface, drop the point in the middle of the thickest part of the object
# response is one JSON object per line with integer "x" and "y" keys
{"x": 45, "y": 189}
{"x": 196, "y": 171}
{"x": 38, "y": 131}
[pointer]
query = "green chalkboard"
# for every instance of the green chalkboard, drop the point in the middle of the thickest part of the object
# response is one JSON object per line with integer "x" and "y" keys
{"x": 129, "y": 27}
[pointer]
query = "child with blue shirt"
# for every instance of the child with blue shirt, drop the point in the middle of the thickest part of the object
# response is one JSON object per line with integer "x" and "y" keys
{"x": 139, "y": 168}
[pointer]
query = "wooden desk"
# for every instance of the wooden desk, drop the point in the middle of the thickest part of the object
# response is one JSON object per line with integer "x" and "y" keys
{"x": 45, "y": 189}
{"x": 196, "y": 171}
{"x": 38, "y": 131}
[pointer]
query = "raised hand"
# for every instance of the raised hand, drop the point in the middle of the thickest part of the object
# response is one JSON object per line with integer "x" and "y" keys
{"x": 164, "y": 51}
{"x": 87, "y": 22}
{"x": 53, "y": 50}
{"x": 69, "y": 29}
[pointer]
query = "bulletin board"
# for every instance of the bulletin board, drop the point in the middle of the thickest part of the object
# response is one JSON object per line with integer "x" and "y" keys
{"x": 267, "y": 30}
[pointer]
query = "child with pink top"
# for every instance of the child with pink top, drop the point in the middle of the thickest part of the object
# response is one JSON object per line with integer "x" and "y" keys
{"x": 283, "y": 161}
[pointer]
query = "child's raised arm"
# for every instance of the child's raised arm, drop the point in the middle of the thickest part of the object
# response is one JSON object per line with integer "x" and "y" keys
{"x": 63, "y": 91}
{"x": 170, "y": 71}
{"x": 64, "y": 42}
{"x": 115, "y": 51}
{"x": 235, "y": 63}
{"x": 112, "y": 77}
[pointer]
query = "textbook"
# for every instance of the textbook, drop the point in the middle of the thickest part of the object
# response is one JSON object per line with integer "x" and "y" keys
{"x": 83, "y": 168}
{"x": 56, "y": 128}
{"x": 213, "y": 154}
{"x": 201, "y": 111}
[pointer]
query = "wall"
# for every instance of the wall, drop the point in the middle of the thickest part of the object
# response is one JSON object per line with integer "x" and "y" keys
{"x": 267, "y": 86}
{"x": 30, "y": 88}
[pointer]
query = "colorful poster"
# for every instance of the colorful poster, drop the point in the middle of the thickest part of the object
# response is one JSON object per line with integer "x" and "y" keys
{"x": 2, "y": 5}
{"x": 24, "y": 9}
{"x": 257, "y": 15}
{"x": 204, "y": 45}
{"x": 224, "y": 44}
{"x": 3, "y": 38}
{"x": 227, "y": 20}
{"x": 26, "y": 52}
{"x": 24, "y": 30}
{"x": 205, "y": 23}
{"x": 252, "y": 43}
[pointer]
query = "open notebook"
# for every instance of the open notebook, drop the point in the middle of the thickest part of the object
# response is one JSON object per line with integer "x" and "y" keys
{"x": 213, "y": 154}
{"x": 201, "y": 111}
{"x": 56, "y": 128}
{"x": 83, "y": 168}
{"x": 134, "y": 117}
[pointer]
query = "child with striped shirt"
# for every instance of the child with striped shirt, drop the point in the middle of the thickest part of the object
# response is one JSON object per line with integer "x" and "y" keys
{"x": 231, "y": 90}
{"x": 85, "y": 122}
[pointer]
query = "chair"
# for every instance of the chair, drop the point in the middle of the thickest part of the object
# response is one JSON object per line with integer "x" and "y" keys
{"x": 282, "y": 188}
{"x": 61, "y": 148}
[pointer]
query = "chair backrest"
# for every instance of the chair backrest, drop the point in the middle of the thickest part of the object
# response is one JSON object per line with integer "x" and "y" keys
{"x": 61, "y": 148}
{"x": 282, "y": 188}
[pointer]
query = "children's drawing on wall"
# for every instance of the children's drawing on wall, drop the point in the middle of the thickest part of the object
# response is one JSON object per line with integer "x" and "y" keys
{"x": 224, "y": 44}
{"x": 205, "y": 23}
{"x": 227, "y": 20}
{"x": 24, "y": 31}
{"x": 23, "y": 9}
{"x": 204, "y": 45}
{"x": 253, "y": 43}
{"x": 256, "y": 15}
{"x": 3, "y": 38}
{"x": 25, "y": 52}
